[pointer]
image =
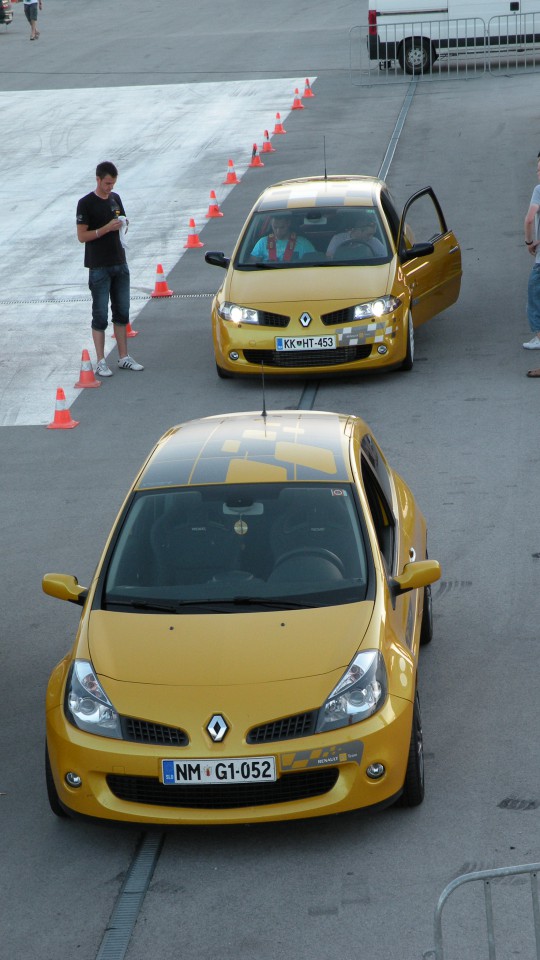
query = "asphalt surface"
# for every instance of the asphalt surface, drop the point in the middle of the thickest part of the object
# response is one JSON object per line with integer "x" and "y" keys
{"x": 461, "y": 428}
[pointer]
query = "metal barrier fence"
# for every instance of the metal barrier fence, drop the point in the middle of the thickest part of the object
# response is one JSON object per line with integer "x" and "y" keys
{"x": 487, "y": 877}
{"x": 452, "y": 49}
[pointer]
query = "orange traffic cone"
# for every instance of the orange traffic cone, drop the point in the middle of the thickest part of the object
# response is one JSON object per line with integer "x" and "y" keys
{"x": 62, "y": 417}
{"x": 231, "y": 174}
{"x": 267, "y": 146}
{"x": 308, "y": 92}
{"x": 255, "y": 158}
{"x": 213, "y": 208}
{"x": 279, "y": 128}
{"x": 161, "y": 288}
{"x": 193, "y": 237}
{"x": 297, "y": 103}
{"x": 86, "y": 377}
{"x": 129, "y": 332}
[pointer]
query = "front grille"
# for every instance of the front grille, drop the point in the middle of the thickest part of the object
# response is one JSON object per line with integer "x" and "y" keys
{"x": 292, "y": 786}
{"x": 267, "y": 319}
{"x": 344, "y": 317}
{"x": 141, "y": 731}
{"x": 308, "y": 358}
{"x": 302, "y": 725}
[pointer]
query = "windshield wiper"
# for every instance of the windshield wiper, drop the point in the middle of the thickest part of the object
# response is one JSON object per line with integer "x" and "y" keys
{"x": 275, "y": 603}
{"x": 231, "y": 602}
{"x": 142, "y": 604}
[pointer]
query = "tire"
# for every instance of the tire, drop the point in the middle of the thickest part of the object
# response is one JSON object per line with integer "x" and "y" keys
{"x": 409, "y": 356}
{"x": 416, "y": 56}
{"x": 413, "y": 788}
{"x": 223, "y": 374}
{"x": 52, "y": 794}
{"x": 426, "y": 627}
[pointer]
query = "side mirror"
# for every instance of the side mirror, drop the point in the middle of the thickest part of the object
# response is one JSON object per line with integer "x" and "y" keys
{"x": 217, "y": 259}
{"x": 416, "y": 574}
{"x": 64, "y": 587}
{"x": 417, "y": 250}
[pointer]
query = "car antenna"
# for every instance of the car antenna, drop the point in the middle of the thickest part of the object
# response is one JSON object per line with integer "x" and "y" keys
{"x": 324, "y": 153}
{"x": 263, "y": 392}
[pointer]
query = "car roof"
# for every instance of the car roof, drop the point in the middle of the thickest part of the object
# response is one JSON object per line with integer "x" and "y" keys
{"x": 276, "y": 447}
{"x": 321, "y": 191}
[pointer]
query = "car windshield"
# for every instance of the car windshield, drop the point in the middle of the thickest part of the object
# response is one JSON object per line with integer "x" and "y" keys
{"x": 314, "y": 236}
{"x": 232, "y": 547}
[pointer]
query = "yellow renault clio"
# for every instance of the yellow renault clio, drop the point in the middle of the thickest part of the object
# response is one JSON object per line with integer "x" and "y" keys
{"x": 248, "y": 648}
{"x": 328, "y": 278}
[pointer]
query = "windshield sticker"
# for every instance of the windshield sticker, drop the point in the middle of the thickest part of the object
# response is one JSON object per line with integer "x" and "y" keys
{"x": 241, "y": 527}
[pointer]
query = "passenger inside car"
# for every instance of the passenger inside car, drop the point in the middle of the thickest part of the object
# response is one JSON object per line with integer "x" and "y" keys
{"x": 360, "y": 239}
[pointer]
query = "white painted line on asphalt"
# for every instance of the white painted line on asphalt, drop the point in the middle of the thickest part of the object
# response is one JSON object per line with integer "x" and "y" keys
{"x": 171, "y": 144}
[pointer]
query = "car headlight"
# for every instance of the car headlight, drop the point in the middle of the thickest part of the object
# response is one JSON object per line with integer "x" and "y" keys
{"x": 87, "y": 705}
{"x": 376, "y": 308}
{"x": 359, "y": 694}
{"x": 237, "y": 314}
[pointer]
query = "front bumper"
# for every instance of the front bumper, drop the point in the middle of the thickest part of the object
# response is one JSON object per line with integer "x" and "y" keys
{"x": 317, "y": 775}
{"x": 360, "y": 345}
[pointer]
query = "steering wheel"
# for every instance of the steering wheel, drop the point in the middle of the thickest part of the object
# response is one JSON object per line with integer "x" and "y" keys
{"x": 311, "y": 552}
{"x": 357, "y": 246}
{"x": 233, "y": 576}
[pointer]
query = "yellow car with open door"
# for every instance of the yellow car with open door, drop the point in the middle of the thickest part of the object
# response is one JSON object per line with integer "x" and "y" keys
{"x": 327, "y": 277}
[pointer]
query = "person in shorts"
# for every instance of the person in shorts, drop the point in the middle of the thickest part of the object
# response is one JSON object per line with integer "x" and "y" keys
{"x": 31, "y": 14}
{"x": 100, "y": 219}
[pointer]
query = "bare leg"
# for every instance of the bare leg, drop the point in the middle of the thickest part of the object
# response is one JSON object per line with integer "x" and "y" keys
{"x": 99, "y": 343}
{"x": 120, "y": 333}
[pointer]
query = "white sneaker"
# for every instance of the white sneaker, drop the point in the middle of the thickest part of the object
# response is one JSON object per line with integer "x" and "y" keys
{"x": 102, "y": 370}
{"x": 533, "y": 344}
{"x": 128, "y": 363}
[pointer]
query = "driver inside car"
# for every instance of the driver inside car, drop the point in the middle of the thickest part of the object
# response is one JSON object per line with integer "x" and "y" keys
{"x": 282, "y": 244}
{"x": 362, "y": 232}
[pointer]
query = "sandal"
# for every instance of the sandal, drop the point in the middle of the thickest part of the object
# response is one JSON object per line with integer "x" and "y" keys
{"x": 534, "y": 373}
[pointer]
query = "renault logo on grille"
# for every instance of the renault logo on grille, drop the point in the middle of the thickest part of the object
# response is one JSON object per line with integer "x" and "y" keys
{"x": 305, "y": 319}
{"x": 217, "y": 728}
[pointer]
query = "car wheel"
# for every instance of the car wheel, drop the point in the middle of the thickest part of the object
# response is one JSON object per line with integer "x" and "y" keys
{"x": 426, "y": 627}
{"x": 416, "y": 56}
{"x": 413, "y": 788}
{"x": 409, "y": 356}
{"x": 54, "y": 800}
{"x": 223, "y": 374}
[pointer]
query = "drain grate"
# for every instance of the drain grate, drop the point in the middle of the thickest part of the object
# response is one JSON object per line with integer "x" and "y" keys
{"x": 515, "y": 803}
{"x": 130, "y": 899}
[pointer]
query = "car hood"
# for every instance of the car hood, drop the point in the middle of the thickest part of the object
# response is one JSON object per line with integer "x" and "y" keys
{"x": 281, "y": 285}
{"x": 228, "y": 649}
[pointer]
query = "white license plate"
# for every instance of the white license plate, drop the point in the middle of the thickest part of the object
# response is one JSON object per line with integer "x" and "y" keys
{"x": 233, "y": 770}
{"x": 305, "y": 343}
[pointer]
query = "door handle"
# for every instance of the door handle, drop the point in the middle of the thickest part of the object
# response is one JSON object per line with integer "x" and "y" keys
{"x": 454, "y": 249}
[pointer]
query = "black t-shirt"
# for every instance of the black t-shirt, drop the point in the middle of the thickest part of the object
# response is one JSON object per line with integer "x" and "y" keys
{"x": 93, "y": 212}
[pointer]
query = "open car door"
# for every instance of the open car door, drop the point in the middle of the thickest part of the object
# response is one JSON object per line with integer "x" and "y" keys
{"x": 434, "y": 278}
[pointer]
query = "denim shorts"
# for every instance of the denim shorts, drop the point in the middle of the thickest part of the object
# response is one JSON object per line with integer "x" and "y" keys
{"x": 109, "y": 283}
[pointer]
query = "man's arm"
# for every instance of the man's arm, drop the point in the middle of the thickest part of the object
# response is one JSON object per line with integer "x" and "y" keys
{"x": 84, "y": 235}
{"x": 530, "y": 228}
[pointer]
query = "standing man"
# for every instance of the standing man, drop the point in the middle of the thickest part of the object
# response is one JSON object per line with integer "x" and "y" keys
{"x": 31, "y": 14}
{"x": 100, "y": 220}
{"x": 533, "y": 291}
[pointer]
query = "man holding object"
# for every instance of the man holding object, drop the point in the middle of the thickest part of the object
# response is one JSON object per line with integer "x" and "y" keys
{"x": 100, "y": 218}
